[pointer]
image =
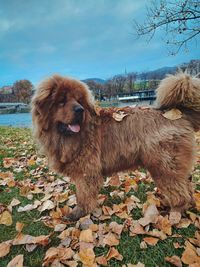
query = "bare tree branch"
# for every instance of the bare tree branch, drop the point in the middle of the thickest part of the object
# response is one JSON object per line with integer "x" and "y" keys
{"x": 179, "y": 18}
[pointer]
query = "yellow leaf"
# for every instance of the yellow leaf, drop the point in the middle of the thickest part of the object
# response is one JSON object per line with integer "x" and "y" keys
{"x": 173, "y": 114}
{"x": 87, "y": 256}
{"x": 6, "y": 218}
{"x": 102, "y": 261}
{"x": 31, "y": 162}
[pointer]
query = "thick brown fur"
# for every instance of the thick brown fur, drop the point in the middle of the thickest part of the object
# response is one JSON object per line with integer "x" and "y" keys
{"x": 103, "y": 145}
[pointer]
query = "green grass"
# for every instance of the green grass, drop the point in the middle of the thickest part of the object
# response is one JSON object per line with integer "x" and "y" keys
{"x": 18, "y": 143}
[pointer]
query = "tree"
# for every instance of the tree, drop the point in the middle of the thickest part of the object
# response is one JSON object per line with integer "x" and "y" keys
{"x": 179, "y": 18}
{"x": 23, "y": 90}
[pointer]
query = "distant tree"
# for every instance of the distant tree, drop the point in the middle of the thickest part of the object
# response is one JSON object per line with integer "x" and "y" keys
{"x": 23, "y": 90}
{"x": 96, "y": 88}
{"x": 179, "y": 18}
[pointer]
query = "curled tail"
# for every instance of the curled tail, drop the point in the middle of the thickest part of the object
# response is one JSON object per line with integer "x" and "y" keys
{"x": 183, "y": 92}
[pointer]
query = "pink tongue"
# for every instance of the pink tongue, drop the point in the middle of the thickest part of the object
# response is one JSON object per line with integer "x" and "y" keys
{"x": 74, "y": 128}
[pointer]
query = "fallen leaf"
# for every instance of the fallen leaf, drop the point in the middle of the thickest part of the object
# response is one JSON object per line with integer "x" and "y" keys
{"x": 16, "y": 261}
{"x": 22, "y": 239}
{"x": 152, "y": 241}
{"x": 60, "y": 227}
{"x": 110, "y": 240}
{"x": 114, "y": 253}
{"x": 47, "y": 205}
{"x": 189, "y": 255}
{"x": 150, "y": 216}
{"x": 197, "y": 200}
{"x": 62, "y": 254}
{"x": 164, "y": 224}
{"x": 6, "y": 218}
{"x": 86, "y": 236}
{"x": 139, "y": 264}
{"x": 102, "y": 261}
{"x": 174, "y": 217}
{"x": 116, "y": 228}
{"x": 118, "y": 116}
{"x": 173, "y": 114}
{"x": 174, "y": 260}
{"x": 5, "y": 248}
{"x": 87, "y": 256}
{"x": 19, "y": 226}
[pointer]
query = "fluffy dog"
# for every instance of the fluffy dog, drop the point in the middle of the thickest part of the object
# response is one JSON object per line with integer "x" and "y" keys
{"x": 87, "y": 145}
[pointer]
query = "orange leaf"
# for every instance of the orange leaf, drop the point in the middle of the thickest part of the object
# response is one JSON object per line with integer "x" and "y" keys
{"x": 113, "y": 253}
{"x": 174, "y": 260}
{"x": 152, "y": 241}
{"x": 16, "y": 261}
{"x": 86, "y": 236}
{"x": 102, "y": 261}
{"x": 5, "y": 248}
{"x": 190, "y": 256}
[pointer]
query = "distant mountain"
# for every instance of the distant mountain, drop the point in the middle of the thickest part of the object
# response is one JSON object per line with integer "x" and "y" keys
{"x": 157, "y": 74}
{"x": 97, "y": 80}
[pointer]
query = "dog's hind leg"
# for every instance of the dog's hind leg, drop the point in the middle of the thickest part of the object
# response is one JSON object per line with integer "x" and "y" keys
{"x": 176, "y": 191}
{"x": 86, "y": 193}
{"x": 170, "y": 166}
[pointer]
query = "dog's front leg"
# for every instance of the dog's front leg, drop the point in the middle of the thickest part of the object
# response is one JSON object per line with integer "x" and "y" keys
{"x": 86, "y": 193}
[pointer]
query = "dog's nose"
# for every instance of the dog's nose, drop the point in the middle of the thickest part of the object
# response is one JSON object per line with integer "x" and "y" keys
{"x": 78, "y": 109}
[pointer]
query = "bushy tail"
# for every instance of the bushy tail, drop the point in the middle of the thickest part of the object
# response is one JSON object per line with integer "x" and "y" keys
{"x": 183, "y": 92}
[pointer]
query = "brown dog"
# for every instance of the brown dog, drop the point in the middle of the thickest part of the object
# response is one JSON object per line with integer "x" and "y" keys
{"x": 86, "y": 146}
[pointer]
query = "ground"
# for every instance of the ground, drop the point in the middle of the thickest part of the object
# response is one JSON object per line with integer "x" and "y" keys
{"x": 128, "y": 228}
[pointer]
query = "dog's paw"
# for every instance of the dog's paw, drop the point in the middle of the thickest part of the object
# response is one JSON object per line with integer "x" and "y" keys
{"x": 75, "y": 215}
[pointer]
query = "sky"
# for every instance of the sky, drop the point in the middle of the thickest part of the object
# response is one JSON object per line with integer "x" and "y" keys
{"x": 78, "y": 38}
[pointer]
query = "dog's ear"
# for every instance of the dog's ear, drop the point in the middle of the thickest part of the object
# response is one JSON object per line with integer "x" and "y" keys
{"x": 41, "y": 105}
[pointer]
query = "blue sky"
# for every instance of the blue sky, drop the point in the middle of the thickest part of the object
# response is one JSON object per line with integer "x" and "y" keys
{"x": 79, "y": 38}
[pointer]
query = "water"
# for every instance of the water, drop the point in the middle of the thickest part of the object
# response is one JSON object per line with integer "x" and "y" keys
{"x": 16, "y": 120}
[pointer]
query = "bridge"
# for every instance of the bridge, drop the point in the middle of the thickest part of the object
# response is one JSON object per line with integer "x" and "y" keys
{"x": 138, "y": 96}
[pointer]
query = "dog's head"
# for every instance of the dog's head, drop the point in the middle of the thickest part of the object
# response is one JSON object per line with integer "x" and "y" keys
{"x": 63, "y": 104}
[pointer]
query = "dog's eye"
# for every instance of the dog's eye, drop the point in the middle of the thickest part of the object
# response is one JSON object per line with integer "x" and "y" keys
{"x": 61, "y": 104}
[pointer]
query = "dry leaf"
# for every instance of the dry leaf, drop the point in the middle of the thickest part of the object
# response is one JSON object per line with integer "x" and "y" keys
{"x": 116, "y": 228}
{"x": 190, "y": 256}
{"x": 16, "y": 261}
{"x": 60, "y": 227}
{"x": 86, "y": 236}
{"x": 110, "y": 240}
{"x": 19, "y": 226}
{"x": 164, "y": 224}
{"x": 173, "y": 114}
{"x": 87, "y": 256}
{"x": 47, "y": 205}
{"x": 174, "y": 217}
{"x": 5, "y": 248}
{"x": 174, "y": 260}
{"x": 139, "y": 264}
{"x": 102, "y": 261}
{"x": 114, "y": 253}
{"x": 22, "y": 239}
{"x": 150, "y": 216}
{"x": 6, "y": 218}
{"x": 197, "y": 200}
{"x": 61, "y": 254}
{"x": 152, "y": 241}
{"x": 118, "y": 116}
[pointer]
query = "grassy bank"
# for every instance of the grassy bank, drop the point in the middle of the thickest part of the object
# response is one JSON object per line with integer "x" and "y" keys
{"x": 34, "y": 199}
